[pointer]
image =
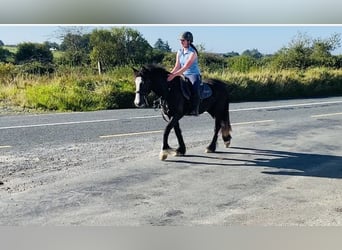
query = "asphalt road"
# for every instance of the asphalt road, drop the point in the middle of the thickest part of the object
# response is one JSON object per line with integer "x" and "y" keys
{"x": 284, "y": 167}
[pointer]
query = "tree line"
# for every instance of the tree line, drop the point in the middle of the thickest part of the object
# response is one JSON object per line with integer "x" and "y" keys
{"x": 100, "y": 48}
{"x": 106, "y": 49}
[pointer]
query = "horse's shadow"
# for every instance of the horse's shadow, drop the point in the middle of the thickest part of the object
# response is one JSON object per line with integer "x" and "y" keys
{"x": 278, "y": 162}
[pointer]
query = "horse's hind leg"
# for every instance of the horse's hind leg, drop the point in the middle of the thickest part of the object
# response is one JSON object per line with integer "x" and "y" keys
{"x": 226, "y": 136}
{"x": 226, "y": 128}
{"x": 212, "y": 146}
{"x": 180, "y": 151}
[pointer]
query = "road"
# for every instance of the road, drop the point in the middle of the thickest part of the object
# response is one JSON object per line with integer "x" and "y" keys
{"x": 284, "y": 167}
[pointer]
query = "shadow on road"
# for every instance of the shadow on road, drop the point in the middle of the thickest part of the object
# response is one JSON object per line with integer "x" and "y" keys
{"x": 279, "y": 162}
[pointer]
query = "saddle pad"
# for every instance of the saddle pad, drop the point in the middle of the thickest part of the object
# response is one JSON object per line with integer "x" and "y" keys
{"x": 205, "y": 90}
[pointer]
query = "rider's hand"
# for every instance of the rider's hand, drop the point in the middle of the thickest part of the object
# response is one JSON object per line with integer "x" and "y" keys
{"x": 170, "y": 77}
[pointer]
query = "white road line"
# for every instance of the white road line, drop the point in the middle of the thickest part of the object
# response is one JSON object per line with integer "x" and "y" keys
{"x": 57, "y": 124}
{"x": 5, "y": 147}
{"x": 144, "y": 117}
{"x": 160, "y": 131}
{"x": 159, "y": 116}
{"x": 70, "y": 123}
{"x": 288, "y": 106}
{"x": 252, "y": 122}
{"x": 323, "y": 115}
{"x": 130, "y": 134}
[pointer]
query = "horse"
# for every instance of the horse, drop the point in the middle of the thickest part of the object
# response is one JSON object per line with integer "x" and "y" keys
{"x": 175, "y": 104}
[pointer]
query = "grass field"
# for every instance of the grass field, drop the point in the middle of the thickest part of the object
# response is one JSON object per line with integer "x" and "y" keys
{"x": 12, "y": 49}
{"x": 80, "y": 89}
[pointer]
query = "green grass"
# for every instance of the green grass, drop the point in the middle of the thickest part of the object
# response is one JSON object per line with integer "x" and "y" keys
{"x": 80, "y": 89}
{"x": 12, "y": 49}
{"x": 57, "y": 54}
{"x": 270, "y": 85}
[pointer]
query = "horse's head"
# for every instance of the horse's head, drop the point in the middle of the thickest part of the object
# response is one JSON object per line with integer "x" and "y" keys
{"x": 149, "y": 78}
{"x": 142, "y": 87}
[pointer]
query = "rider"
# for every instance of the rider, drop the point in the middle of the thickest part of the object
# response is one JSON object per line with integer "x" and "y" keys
{"x": 187, "y": 64}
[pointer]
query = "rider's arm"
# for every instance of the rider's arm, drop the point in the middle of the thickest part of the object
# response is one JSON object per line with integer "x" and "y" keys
{"x": 177, "y": 72}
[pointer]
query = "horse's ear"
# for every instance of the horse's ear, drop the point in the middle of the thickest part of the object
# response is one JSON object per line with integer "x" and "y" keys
{"x": 135, "y": 70}
{"x": 145, "y": 69}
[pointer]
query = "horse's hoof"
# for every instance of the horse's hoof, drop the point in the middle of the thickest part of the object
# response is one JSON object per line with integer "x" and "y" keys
{"x": 163, "y": 155}
{"x": 179, "y": 154}
{"x": 165, "y": 152}
{"x": 208, "y": 150}
{"x": 172, "y": 152}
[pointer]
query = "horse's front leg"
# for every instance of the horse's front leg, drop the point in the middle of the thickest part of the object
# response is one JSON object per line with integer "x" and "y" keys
{"x": 166, "y": 149}
{"x": 181, "y": 145}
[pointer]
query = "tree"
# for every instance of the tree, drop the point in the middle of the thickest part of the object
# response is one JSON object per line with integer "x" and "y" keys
{"x": 252, "y": 53}
{"x": 136, "y": 49}
{"x": 34, "y": 58}
{"x": 28, "y": 52}
{"x": 303, "y": 52}
{"x": 160, "y": 49}
{"x": 322, "y": 49}
{"x": 51, "y": 45}
{"x": 162, "y": 46}
{"x": 119, "y": 46}
{"x": 231, "y": 54}
{"x": 75, "y": 42}
{"x": 5, "y": 54}
{"x": 102, "y": 44}
{"x": 200, "y": 47}
{"x": 77, "y": 49}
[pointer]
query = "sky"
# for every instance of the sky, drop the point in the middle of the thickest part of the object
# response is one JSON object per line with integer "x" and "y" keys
{"x": 267, "y": 39}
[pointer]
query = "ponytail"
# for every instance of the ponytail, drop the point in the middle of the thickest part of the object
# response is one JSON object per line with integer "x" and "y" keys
{"x": 193, "y": 46}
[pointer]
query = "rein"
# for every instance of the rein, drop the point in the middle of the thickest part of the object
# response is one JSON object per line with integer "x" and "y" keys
{"x": 161, "y": 104}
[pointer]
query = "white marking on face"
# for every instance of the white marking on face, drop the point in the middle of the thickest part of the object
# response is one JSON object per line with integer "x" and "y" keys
{"x": 137, "y": 100}
{"x": 138, "y": 81}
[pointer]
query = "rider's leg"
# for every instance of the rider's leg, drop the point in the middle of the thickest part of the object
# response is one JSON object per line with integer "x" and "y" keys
{"x": 195, "y": 95}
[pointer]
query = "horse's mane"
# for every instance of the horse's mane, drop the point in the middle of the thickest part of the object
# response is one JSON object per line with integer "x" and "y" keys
{"x": 155, "y": 68}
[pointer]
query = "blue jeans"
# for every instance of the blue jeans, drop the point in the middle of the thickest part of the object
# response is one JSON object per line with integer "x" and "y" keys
{"x": 195, "y": 81}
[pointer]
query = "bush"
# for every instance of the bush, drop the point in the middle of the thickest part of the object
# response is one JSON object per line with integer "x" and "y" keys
{"x": 212, "y": 62}
{"x": 270, "y": 85}
{"x": 84, "y": 94}
{"x": 242, "y": 63}
{"x": 7, "y": 73}
{"x": 32, "y": 52}
{"x": 77, "y": 89}
{"x": 36, "y": 67}
{"x": 323, "y": 82}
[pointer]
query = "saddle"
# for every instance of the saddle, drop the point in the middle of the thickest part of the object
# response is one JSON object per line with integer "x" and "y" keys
{"x": 186, "y": 86}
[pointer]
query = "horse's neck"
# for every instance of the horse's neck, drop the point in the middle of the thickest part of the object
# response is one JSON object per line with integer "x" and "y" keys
{"x": 161, "y": 87}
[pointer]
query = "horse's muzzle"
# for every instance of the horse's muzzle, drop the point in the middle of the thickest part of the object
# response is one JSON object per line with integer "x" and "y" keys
{"x": 139, "y": 101}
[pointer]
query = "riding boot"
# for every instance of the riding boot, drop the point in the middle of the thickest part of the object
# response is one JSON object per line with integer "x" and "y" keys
{"x": 195, "y": 105}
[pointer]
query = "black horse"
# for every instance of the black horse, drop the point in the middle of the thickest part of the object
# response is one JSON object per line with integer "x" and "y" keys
{"x": 175, "y": 105}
